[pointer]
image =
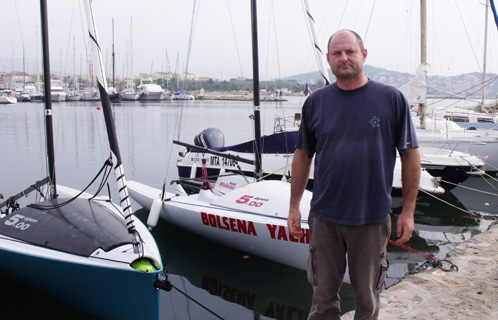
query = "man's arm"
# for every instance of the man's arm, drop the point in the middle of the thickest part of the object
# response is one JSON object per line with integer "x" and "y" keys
{"x": 410, "y": 176}
{"x": 301, "y": 164}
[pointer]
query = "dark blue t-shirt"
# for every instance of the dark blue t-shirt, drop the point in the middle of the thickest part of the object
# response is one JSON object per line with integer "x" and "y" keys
{"x": 354, "y": 135}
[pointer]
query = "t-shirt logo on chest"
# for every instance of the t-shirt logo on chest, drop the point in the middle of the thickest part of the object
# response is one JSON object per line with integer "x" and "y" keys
{"x": 375, "y": 122}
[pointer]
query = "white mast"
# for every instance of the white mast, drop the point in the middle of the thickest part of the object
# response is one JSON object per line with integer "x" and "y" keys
{"x": 318, "y": 52}
{"x": 485, "y": 54}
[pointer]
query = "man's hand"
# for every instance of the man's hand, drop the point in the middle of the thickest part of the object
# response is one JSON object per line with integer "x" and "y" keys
{"x": 404, "y": 227}
{"x": 294, "y": 223}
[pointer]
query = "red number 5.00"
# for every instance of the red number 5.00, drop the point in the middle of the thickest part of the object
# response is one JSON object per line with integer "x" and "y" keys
{"x": 244, "y": 199}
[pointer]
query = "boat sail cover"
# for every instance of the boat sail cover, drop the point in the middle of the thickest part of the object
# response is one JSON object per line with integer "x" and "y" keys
{"x": 415, "y": 91}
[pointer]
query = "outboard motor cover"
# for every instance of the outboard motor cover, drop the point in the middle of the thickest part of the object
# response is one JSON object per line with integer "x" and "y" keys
{"x": 210, "y": 138}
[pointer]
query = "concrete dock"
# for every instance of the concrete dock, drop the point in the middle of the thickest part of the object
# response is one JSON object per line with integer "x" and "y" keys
{"x": 469, "y": 293}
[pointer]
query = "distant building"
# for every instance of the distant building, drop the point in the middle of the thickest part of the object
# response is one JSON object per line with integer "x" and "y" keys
{"x": 15, "y": 80}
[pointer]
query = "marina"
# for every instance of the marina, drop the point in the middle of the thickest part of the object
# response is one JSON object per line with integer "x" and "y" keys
{"x": 124, "y": 249}
{"x": 231, "y": 283}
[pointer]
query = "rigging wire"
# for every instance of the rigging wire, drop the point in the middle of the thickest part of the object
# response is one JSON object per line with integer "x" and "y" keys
{"x": 22, "y": 37}
{"x": 475, "y": 88}
{"x": 69, "y": 38}
{"x": 468, "y": 37}
{"x": 193, "y": 23}
{"x": 235, "y": 38}
{"x": 369, "y": 20}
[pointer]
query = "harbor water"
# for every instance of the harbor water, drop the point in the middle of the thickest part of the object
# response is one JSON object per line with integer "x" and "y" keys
{"x": 226, "y": 282}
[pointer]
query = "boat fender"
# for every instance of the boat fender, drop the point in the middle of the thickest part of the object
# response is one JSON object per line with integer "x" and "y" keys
{"x": 144, "y": 265}
{"x": 193, "y": 171}
{"x": 154, "y": 213}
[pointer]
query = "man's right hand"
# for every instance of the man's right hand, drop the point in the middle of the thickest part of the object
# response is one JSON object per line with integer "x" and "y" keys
{"x": 294, "y": 223}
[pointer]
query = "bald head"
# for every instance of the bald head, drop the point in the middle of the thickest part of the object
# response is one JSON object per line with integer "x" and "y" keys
{"x": 343, "y": 31}
{"x": 346, "y": 56}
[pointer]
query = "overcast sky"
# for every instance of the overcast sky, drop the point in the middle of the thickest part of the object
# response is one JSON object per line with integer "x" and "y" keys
{"x": 156, "y": 35}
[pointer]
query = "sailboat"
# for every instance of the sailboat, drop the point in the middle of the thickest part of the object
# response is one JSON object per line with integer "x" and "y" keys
{"x": 251, "y": 217}
{"x": 7, "y": 97}
{"x": 84, "y": 250}
{"x": 444, "y": 133}
{"x": 129, "y": 93}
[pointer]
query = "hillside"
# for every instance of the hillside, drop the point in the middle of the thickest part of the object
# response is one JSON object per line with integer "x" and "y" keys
{"x": 469, "y": 84}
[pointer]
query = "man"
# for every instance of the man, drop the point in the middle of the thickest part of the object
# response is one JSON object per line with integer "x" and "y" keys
{"x": 353, "y": 128}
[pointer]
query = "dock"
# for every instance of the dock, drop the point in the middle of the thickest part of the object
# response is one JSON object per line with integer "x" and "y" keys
{"x": 469, "y": 293}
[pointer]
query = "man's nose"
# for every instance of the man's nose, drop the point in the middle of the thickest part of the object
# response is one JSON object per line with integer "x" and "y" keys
{"x": 343, "y": 56}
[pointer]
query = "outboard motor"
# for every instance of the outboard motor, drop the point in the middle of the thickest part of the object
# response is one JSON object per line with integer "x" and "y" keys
{"x": 210, "y": 138}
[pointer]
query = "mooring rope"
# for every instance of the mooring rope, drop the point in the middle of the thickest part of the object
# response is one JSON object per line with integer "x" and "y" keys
{"x": 431, "y": 260}
{"x": 163, "y": 283}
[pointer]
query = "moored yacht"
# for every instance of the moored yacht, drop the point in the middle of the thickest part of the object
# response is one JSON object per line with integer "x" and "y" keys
{"x": 57, "y": 91}
{"x": 7, "y": 97}
{"x": 150, "y": 91}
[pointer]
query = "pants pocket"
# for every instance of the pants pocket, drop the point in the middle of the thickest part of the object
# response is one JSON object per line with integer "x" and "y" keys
{"x": 383, "y": 272}
{"x": 311, "y": 262}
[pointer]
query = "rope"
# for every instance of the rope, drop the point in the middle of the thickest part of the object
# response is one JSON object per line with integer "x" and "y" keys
{"x": 166, "y": 285}
{"x": 471, "y": 189}
{"x": 206, "y": 185}
{"x": 198, "y": 303}
{"x": 104, "y": 168}
{"x": 271, "y": 173}
{"x": 450, "y": 204}
{"x": 431, "y": 260}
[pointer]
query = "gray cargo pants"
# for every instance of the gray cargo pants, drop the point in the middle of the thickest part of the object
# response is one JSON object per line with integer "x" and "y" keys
{"x": 365, "y": 247}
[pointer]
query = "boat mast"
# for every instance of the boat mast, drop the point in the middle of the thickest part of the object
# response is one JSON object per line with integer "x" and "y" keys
{"x": 423, "y": 57}
{"x": 48, "y": 101}
{"x": 255, "y": 72}
{"x": 318, "y": 52}
{"x": 75, "y": 80}
{"x": 483, "y": 109}
{"x": 109, "y": 121}
{"x": 113, "y": 57}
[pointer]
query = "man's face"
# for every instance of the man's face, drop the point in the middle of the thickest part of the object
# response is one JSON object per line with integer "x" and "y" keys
{"x": 345, "y": 56}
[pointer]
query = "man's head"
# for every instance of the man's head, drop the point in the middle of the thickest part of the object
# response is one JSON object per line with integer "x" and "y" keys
{"x": 346, "y": 55}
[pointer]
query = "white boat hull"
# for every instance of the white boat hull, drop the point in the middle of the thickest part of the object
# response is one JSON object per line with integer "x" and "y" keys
{"x": 264, "y": 234}
{"x": 73, "y": 97}
{"x": 130, "y": 96}
{"x": 7, "y": 100}
{"x": 251, "y": 218}
{"x": 449, "y": 135}
{"x": 153, "y": 96}
{"x": 91, "y": 96}
{"x": 58, "y": 97}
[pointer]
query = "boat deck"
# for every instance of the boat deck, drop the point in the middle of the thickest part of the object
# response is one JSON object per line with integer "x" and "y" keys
{"x": 470, "y": 293}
